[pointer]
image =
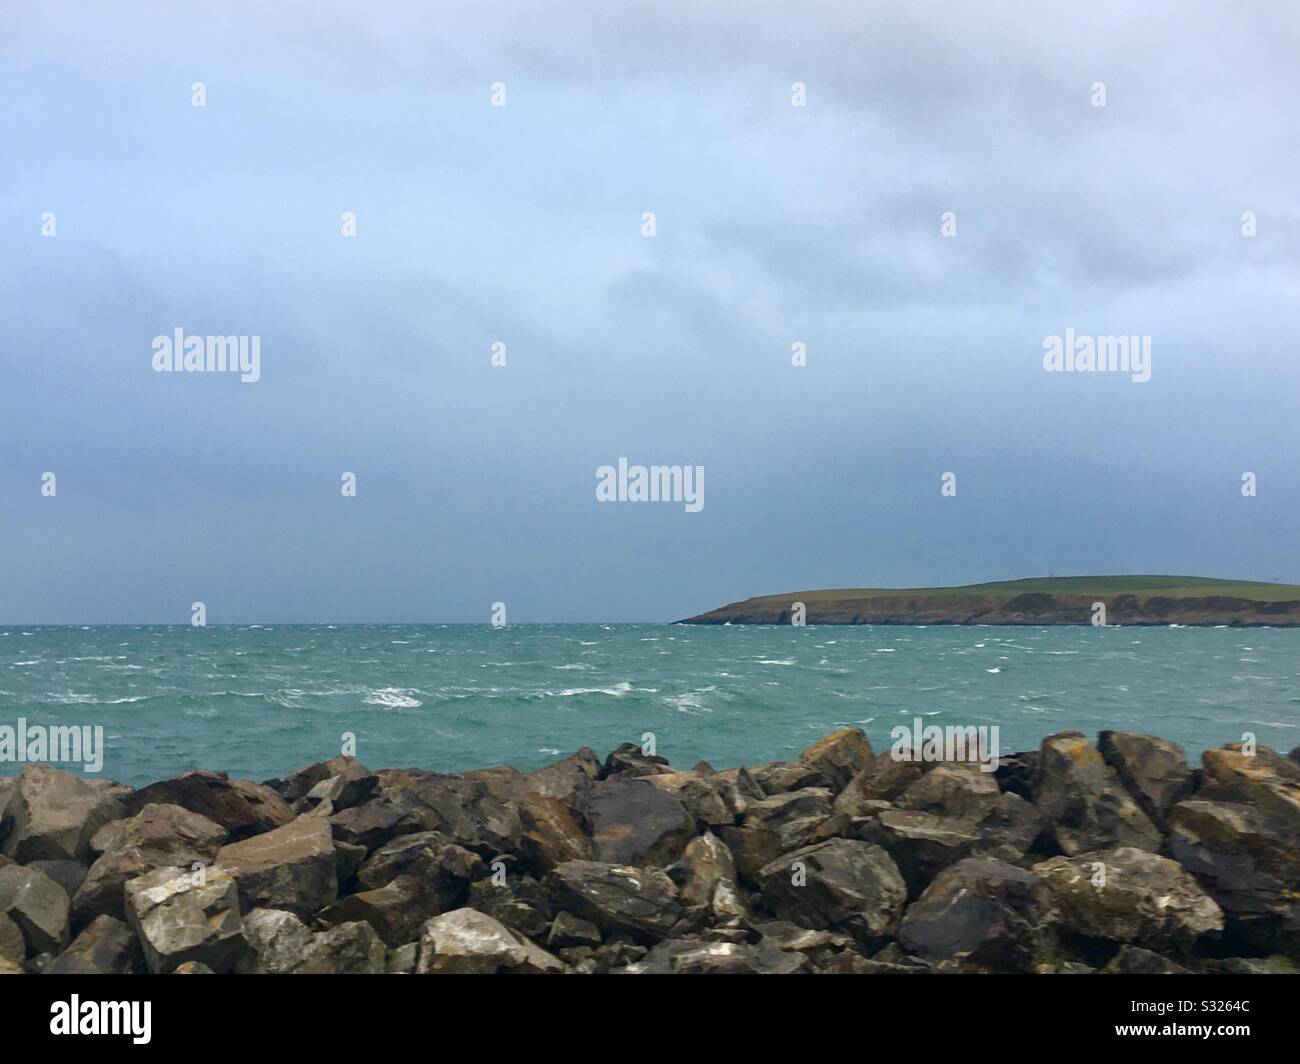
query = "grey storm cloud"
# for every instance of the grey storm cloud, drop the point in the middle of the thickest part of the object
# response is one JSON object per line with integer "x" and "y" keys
{"x": 522, "y": 225}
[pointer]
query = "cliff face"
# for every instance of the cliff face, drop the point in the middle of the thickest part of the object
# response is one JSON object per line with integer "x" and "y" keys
{"x": 1032, "y": 608}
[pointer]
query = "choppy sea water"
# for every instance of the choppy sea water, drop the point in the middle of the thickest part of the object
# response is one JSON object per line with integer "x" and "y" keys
{"x": 259, "y": 701}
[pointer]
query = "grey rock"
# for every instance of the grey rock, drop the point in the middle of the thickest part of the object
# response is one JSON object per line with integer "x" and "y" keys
{"x": 842, "y": 884}
{"x": 1145, "y": 900}
{"x": 105, "y": 946}
{"x": 640, "y": 903}
{"x": 636, "y": 823}
{"x": 51, "y": 816}
{"x": 1084, "y": 805}
{"x": 466, "y": 941}
{"x": 182, "y": 916}
{"x": 242, "y": 807}
{"x": 1154, "y": 771}
{"x": 38, "y": 905}
{"x": 291, "y": 867}
{"x": 158, "y": 836}
{"x": 980, "y": 912}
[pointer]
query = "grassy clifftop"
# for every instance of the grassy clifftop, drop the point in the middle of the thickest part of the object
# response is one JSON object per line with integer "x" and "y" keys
{"x": 1191, "y": 600}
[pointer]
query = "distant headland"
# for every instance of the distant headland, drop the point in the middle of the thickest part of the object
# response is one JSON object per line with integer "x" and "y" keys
{"x": 1111, "y": 600}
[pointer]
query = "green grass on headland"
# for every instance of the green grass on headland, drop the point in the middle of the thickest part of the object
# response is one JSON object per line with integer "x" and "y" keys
{"x": 1167, "y": 586}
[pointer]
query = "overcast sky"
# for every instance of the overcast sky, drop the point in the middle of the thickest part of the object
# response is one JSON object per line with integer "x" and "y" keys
{"x": 523, "y": 224}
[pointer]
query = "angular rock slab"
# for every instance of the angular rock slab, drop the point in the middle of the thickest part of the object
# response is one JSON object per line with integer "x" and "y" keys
{"x": 841, "y": 884}
{"x": 37, "y": 905}
{"x": 1248, "y": 862}
{"x": 52, "y": 815}
{"x": 980, "y": 912}
{"x": 277, "y": 941}
{"x": 468, "y": 942}
{"x": 1084, "y": 805}
{"x": 184, "y": 916}
{"x": 838, "y": 757}
{"x": 159, "y": 836}
{"x": 641, "y": 903}
{"x": 1128, "y": 895}
{"x": 242, "y": 807}
{"x": 706, "y": 875}
{"x": 292, "y": 867}
{"x": 1154, "y": 770}
{"x": 1267, "y": 781}
{"x": 636, "y": 823}
{"x": 106, "y": 946}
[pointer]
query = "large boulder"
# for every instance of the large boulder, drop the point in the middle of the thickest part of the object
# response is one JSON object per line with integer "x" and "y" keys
{"x": 443, "y": 868}
{"x": 1084, "y": 805}
{"x": 981, "y": 913}
{"x": 952, "y": 812}
{"x": 158, "y": 836}
{"x": 185, "y": 916}
{"x": 468, "y": 942}
{"x": 291, "y": 867}
{"x": 1266, "y": 780}
{"x": 349, "y": 949}
{"x": 1249, "y": 863}
{"x": 710, "y": 800}
{"x": 840, "y": 884}
{"x": 1128, "y": 895}
{"x": 706, "y": 875}
{"x": 1154, "y": 770}
{"x": 776, "y": 825}
{"x": 636, "y": 823}
{"x": 37, "y": 905}
{"x": 477, "y": 810}
{"x": 956, "y": 790}
{"x": 779, "y": 777}
{"x": 551, "y": 833}
{"x": 921, "y": 843}
{"x": 51, "y": 815}
{"x": 242, "y": 807}
{"x": 106, "y": 946}
{"x": 346, "y": 780}
{"x": 67, "y": 874}
{"x": 396, "y": 911}
{"x": 884, "y": 778}
{"x": 837, "y": 758}
{"x": 376, "y": 822}
{"x": 518, "y": 901}
{"x": 641, "y": 903}
{"x": 277, "y": 940}
{"x": 568, "y": 781}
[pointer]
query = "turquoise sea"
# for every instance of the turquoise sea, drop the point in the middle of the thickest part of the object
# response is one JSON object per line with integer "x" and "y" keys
{"x": 258, "y": 701}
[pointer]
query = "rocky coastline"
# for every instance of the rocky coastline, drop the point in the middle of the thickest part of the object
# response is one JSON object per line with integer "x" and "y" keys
{"x": 1079, "y": 857}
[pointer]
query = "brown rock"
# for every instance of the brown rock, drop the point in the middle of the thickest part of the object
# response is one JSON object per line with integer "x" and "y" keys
{"x": 636, "y": 823}
{"x": 180, "y": 916}
{"x": 242, "y": 807}
{"x": 838, "y": 757}
{"x": 38, "y": 905}
{"x": 156, "y": 837}
{"x": 106, "y": 946}
{"x": 468, "y": 942}
{"x": 1082, "y": 801}
{"x": 51, "y": 815}
{"x": 291, "y": 868}
{"x": 1154, "y": 770}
